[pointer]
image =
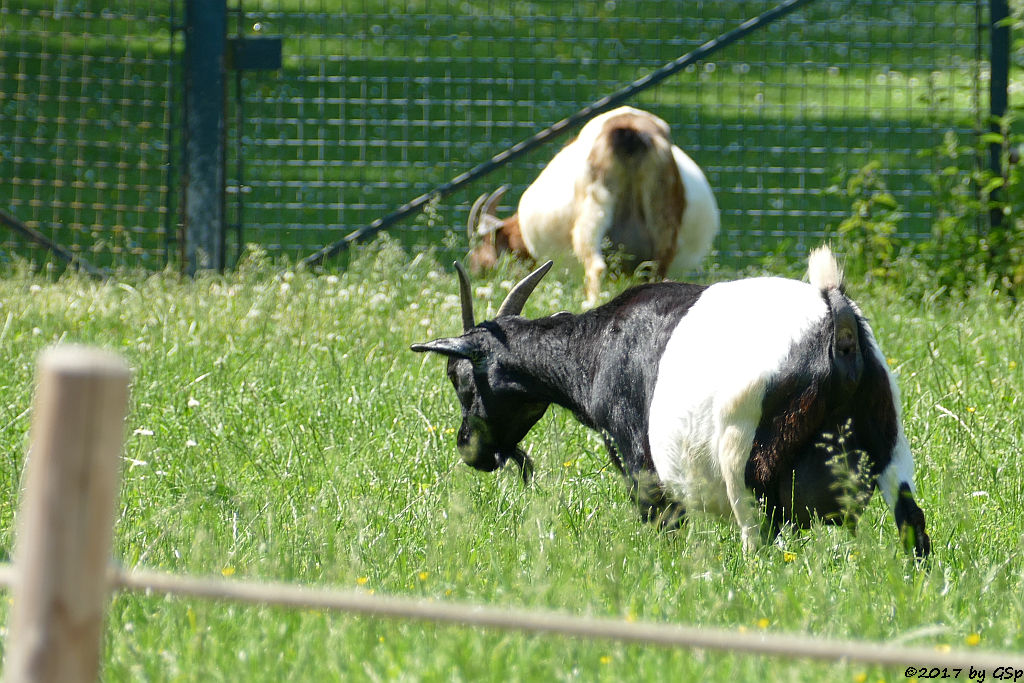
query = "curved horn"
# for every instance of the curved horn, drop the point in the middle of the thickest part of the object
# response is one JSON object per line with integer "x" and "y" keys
{"x": 491, "y": 205}
{"x": 466, "y": 296}
{"x": 474, "y": 214}
{"x": 516, "y": 299}
{"x": 483, "y": 219}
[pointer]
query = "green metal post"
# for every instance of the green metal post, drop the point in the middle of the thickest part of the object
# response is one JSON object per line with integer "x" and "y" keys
{"x": 999, "y": 84}
{"x": 205, "y": 40}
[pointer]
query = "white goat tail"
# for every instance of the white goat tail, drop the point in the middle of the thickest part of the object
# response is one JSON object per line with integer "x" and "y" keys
{"x": 823, "y": 270}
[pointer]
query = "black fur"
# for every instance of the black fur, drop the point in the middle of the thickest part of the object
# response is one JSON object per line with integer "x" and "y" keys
{"x": 602, "y": 365}
{"x": 910, "y": 522}
{"x": 828, "y": 431}
{"x": 806, "y": 451}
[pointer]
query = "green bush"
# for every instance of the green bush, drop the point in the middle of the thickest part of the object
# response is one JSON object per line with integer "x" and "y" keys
{"x": 976, "y": 231}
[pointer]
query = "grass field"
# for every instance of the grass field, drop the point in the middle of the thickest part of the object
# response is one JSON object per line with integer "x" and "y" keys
{"x": 280, "y": 429}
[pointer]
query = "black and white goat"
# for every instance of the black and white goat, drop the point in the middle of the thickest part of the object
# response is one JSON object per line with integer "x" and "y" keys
{"x": 718, "y": 398}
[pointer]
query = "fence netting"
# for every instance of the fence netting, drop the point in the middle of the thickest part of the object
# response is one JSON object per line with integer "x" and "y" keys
{"x": 378, "y": 102}
{"x": 85, "y": 120}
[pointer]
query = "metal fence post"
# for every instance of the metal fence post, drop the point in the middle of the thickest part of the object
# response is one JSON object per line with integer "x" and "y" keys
{"x": 205, "y": 40}
{"x": 998, "y": 90}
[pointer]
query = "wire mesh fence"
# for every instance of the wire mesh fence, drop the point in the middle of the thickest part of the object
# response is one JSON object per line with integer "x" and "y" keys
{"x": 387, "y": 102}
{"x": 379, "y": 102}
{"x": 85, "y": 120}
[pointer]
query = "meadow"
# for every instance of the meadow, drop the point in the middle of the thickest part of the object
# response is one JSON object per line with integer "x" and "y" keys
{"x": 280, "y": 429}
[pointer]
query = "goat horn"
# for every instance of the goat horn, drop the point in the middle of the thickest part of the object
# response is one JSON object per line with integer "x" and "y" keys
{"x": 474, "y": 214}
{"x": 466, "y": 296}
{"x": 516, "y": 299}
{"x": 493, "y": 199}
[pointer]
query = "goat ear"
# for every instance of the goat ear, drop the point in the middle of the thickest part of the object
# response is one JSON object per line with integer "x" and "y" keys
{"x": 453, "y": 347}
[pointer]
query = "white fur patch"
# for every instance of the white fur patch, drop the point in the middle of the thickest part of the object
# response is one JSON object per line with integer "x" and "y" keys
{"x": 711, "y": 381}
{"x": 701, "y": 219}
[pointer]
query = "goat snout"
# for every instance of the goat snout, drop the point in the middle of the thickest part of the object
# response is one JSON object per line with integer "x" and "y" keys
{"x": 484, "y": 459}
{"x": 474, "y": 448}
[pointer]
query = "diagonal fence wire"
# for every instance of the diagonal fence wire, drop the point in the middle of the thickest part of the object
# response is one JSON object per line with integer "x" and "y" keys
{"x": 63, "y": 253}
{"x": 517, "y": 150}
{"x": 795, "y": 646}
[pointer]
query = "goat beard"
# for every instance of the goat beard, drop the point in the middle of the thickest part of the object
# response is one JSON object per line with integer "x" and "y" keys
{"x": 519, "y": 456}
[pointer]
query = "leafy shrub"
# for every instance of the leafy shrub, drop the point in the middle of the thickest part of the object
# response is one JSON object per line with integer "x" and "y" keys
{"x": 977, "y": 227}
{"x": 868, "y": 234}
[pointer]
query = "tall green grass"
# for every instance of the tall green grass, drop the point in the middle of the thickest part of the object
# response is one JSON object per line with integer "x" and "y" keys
{"x": 280, "y": 429}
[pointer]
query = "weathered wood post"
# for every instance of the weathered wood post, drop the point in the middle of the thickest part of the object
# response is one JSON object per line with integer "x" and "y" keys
{"x": 65, "y": 521}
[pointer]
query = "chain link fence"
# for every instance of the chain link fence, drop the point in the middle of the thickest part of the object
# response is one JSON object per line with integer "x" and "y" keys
{"x": 379, "y": 102}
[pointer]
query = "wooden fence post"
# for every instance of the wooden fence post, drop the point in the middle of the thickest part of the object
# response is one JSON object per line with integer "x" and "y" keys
{"x": 65, "y": 522}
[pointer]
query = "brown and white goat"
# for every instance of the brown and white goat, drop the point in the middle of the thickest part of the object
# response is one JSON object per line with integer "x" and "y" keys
{"x": 621, "y": 181}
